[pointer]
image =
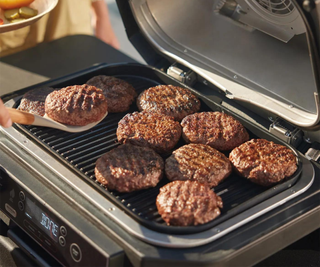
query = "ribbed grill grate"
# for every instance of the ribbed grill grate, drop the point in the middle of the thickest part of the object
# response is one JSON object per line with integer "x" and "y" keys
{"x": 81, "y": 150}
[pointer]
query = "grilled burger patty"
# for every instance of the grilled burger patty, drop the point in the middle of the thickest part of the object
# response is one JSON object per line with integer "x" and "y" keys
{"x": 76, "y": 105}
{"x": 183, "y": 203}
{"x": 128, "y": 168}
{"x": 198, "y": 162}
{"x": 33, "y": 101}
{"x": 263, "y": 162}
{"x": 119, "y": 94}
{"x": 157, "y": 131}
{"x": 169, "y": 100}
{"x": 215, "y": 129}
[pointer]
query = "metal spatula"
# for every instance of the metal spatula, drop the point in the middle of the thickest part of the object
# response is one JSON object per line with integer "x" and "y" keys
{"x": 26, "y": 118}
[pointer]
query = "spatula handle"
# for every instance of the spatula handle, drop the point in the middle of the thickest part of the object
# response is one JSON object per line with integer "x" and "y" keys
{"x": 20, "y": 117}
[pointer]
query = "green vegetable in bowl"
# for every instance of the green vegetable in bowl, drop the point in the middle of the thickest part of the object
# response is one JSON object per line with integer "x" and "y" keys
{"x": 12, "y": 14}
{"x": 20, "y": 14}
{"x": 27, "y": 12}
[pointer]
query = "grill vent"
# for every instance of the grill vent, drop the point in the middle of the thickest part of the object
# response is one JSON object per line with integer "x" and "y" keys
{"x": 276, "y": 7}
{"x": 278, "y": 18}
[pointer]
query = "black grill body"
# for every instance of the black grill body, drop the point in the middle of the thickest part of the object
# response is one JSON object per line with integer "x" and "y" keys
{"x": 79, "y": 151}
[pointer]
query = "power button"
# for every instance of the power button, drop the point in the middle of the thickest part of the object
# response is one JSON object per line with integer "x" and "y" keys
{"x": 75, "y": 252}
{"x": 22, "y": 196}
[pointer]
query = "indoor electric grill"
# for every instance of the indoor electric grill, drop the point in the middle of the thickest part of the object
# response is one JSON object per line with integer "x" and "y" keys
{"x": 80, "y": 222}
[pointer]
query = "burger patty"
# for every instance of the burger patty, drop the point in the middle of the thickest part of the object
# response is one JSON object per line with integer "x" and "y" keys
{"x": 183, "y": 203}
{"x": 157, "y": 131}
{"x": 128, "y": 168}
{"x": 215, "y": 129}
{"x": 33, "y": 101}
{"x": 198, "y": 162}
{"x": 263, "y": 162}
{"x": 169, "y": 100}
{"x": 119, "y": 94}
{"x": 76, "y": 105}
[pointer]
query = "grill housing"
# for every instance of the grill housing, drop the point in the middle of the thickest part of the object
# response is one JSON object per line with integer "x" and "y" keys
{"x": 79, "y": 151}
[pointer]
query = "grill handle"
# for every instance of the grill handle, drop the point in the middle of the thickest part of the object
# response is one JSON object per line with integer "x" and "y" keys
{"x": 20, "y": 117}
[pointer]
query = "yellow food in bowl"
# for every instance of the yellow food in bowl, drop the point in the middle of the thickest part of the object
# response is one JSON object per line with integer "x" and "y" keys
{"x": 10, "y": 4}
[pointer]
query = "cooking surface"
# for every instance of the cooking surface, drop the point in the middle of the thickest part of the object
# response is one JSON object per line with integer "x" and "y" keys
{"x": 80, "y": 152}
{"x": 259, "y": 238}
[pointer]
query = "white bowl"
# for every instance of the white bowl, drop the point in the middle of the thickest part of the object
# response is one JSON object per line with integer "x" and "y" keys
{"x": 43, "y": 7}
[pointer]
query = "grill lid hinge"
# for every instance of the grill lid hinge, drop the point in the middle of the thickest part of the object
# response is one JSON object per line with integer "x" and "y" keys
{"x": 182, "y": 74}
{"x": 313, "y": 153}
{"x": 286, "y": 132}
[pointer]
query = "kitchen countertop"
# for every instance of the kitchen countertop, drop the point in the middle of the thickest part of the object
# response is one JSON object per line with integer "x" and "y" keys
{"x": 282, "y": 226}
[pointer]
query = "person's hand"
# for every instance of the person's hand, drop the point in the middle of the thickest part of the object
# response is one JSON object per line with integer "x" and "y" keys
{"x": 5, "y": 119}
{"x": 105, "y": 33}
{"x": 102, "y": 24}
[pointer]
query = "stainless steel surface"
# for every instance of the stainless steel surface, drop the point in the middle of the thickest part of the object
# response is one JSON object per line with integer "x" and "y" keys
{"x": 248, "y": 66}
{"x": 292, "y": 136}
{"x": 36, "y": 180}
{"x": 313, "y": 154}
{"x": 143, "y": 233}
{"x": 187, "y": 77}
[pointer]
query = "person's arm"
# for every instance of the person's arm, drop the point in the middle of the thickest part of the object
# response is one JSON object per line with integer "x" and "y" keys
{"x": 103, "y": 28}
{"x": 5, "y": 119}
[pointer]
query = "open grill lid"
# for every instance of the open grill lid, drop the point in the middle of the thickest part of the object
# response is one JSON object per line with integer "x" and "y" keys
{"x": 255, "y": 51}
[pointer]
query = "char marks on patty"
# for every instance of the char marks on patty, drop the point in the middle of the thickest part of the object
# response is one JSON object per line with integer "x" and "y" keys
{"x": 76, "y": 105}
{"x": 34, "y": 100}
{"x": 198, "y": 162}
{"x": 128, "y": 168}
{"x": 169, "y": 100}
{"x": 216, "y": 129}
{"x": 119, "y": 94}
{"x": 154, "y": 130}
{"x": 184, "y": 203}
{"x": 263, "y": 162}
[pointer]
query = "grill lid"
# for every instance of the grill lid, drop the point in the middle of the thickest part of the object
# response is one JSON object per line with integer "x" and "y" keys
{"x": 255, "y": 51}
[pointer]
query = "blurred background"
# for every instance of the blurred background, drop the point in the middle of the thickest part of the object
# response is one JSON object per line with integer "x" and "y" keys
{"x": 117, "y": 24}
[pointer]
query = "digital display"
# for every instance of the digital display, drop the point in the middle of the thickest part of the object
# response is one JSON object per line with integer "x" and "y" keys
{"x": 42, "y": 220}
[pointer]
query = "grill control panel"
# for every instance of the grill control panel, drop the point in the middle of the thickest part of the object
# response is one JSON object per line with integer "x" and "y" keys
{"x": 46, "y": 227}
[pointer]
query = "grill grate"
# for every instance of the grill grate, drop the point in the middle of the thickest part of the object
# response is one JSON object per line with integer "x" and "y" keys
{"x": 81, "y": 150}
